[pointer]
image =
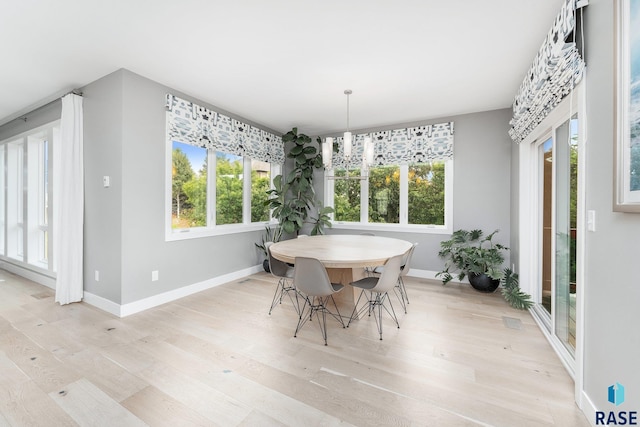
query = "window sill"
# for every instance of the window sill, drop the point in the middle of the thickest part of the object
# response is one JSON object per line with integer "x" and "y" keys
{"x": 221, "y": 230}
{"x": 404, "y": 228}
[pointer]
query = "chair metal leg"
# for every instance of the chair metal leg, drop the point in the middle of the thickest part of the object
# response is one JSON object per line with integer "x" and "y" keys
{"x": 283, "y": 288}
{"x": 302, "y": 319}
{"x": 337, "y": 316}
{"x": 401, "y": 294}
{"x": 277, "y": 295}
{"x": 357, "y": 313}
{"x": 318, "y": 305}
{"x": 374, "y": 305}
{"x": 404, "y": 290}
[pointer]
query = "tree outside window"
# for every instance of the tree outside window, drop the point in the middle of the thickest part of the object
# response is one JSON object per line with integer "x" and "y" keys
{"x": 384, "y": 194}
{"x": 426, "y": 193}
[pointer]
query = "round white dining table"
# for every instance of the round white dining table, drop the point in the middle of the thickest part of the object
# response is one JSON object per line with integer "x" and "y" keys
{"x": 341, "y": 250}
{"x": 344, "y": 256}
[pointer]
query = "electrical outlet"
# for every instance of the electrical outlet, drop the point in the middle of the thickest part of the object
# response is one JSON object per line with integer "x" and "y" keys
{"x": 97, "y": 276}
{"x": 154, "y": 275}
{"x": 591, "y": 220}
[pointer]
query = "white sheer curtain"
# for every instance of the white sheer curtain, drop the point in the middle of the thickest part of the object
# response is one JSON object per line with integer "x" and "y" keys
{"x": 68, "y": 202}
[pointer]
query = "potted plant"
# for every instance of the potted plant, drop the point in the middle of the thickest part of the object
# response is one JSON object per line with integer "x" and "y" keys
{"x": 472, "y": 254}
{"x": 292, "y": 198}
{"x": 271, "y": 234}
{"x": 512, "y": 293}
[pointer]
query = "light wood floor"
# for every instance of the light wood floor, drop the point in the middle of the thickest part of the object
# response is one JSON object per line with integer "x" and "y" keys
{"x": 217, "y": 358}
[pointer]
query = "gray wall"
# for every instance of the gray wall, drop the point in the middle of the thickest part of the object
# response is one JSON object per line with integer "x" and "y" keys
{"x": 125, "y": 139}
{"x": 481, "y": 187}
{"x": 612, "y": 291}
{"x": 103, "y": 111}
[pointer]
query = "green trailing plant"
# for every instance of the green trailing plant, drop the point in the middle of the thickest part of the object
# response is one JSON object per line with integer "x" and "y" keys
{"x": 469, "y": 252}
{"x": 512, "y": 293}
{"x": 293, "y": 198}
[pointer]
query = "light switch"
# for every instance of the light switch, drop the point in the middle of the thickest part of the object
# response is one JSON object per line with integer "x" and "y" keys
{"x": 591, "y": 220}
{"x": 106, "y": 181}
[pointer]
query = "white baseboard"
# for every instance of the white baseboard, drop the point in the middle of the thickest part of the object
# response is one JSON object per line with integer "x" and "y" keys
{"x": 428, "y": 274}
{"x": 47, "y": 281}
{"x": 101, "y": 303}
{"x": 588, "y": 408}
{"x": 163, "y": 298}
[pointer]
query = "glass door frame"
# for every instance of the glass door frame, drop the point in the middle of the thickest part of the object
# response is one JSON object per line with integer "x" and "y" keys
{"x": 529, "y": 223}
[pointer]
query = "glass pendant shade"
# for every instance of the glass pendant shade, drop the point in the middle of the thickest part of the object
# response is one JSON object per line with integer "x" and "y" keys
{"x": 327, "y": 152}
{"x": 347, "y": 144}
{"x": 368, "y": 151}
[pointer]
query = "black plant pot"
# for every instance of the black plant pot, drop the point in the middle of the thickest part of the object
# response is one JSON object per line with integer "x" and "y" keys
{"x": 483, "y": 283}
{"x": 265, "y": 265}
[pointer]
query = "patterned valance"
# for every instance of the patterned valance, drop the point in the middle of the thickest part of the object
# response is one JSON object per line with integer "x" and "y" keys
{"x": 556, "y": 70}
{"x": 193, "y": 124}
{"x": 419, "y": 144}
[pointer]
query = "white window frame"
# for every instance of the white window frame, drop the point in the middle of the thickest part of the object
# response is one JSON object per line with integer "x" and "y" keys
{"x": 26, "y": 221}
{"x": 211, "y": 229}
{"x": 403, "y": 225}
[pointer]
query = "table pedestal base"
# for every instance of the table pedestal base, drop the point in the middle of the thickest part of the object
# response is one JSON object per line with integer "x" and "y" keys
{"x": 346, "y": 298}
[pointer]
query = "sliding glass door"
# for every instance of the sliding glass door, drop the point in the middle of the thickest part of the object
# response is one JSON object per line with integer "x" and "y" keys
{"x": 558, "y": 233}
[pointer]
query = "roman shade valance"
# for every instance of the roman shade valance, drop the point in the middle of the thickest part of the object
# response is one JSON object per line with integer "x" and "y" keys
{"x": 556, "y": 70}
{"x": 419, "y": 144}
{"x": 190, "y": 123}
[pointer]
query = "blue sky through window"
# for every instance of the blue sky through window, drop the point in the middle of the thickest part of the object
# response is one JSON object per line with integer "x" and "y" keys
{"x": 196, "y": 155}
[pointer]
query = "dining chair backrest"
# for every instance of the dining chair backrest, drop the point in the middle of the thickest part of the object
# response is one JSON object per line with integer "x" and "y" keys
{"x": 311, "y": 277}
{"x": 406, "y": 262}
{"x": 278, "y": 268}
{"x": 389, "y": 276}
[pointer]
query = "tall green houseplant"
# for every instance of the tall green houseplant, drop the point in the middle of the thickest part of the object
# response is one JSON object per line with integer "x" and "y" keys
{"x": 293, "y": 197}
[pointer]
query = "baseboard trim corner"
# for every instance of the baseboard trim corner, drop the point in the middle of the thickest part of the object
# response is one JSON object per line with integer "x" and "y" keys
{"x": 124, "y": 310}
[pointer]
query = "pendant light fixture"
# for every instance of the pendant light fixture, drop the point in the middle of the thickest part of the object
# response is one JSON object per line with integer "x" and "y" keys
{"x": 347, "y": 147}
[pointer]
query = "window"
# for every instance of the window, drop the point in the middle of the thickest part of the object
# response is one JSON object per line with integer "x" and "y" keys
{"x": 234, "y": 186}
{"x": 188, "y": 186}
{"x": 413, "y": 197}
{"x": 221, "y": 170}
{"x": 260, "y": 184}
{"x": 229, "y": 188}
{"x": 384, "y": 195}
{"x": 410, "y": 188}
{"x": 427, "y": 194}
{"x": 25, "y": 210}
{"x": 346, "y": 202}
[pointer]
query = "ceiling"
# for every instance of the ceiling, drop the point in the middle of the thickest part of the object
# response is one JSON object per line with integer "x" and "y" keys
{"x": 281, "y": 63}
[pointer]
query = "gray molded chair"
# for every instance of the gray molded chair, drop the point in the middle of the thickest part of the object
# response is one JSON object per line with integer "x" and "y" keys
{"x": 378, "y": 289}
{"x": 313, "y": 282}
{"x": 400, "y": 290}
{"x": 284, "y": 273}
